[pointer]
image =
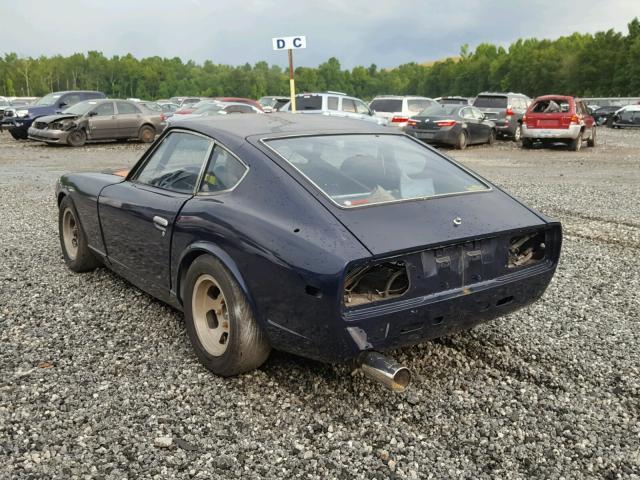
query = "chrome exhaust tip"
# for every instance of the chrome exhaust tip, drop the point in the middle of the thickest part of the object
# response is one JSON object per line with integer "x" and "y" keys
{"x": 385, "y": 370}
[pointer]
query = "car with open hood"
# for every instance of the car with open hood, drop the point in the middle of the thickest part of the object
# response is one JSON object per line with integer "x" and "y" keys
{"x": 329, "y": 238}
{"x": 19, "y": 119}
{"x": 99, "y": 120}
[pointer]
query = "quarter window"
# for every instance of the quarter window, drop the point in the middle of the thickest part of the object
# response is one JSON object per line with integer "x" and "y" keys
{"x": 332, "y": 103}
{"x": 125, "y": 108}
{"x": 175, "y": 165}
{"x": 223, "y": 173}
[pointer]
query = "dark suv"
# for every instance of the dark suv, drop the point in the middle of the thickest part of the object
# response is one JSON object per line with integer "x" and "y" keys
{"x": 18, "y": 120}
{"x": 505, "y": 110}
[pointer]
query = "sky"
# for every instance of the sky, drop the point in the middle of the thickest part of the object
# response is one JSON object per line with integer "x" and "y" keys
{"x": 357, "y": 32}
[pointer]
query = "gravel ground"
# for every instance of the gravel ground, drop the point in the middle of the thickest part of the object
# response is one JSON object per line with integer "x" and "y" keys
{"x": 98, "y": 379}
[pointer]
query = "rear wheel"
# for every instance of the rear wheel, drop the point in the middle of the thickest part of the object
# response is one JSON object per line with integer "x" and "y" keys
{"x": 75, "y": 248}
{"x": 220, "y": 322}
{"x": 492, "y": 137}
{"x": 592, "y": 141}
{"x": 576, "y": 144}
{"x": 517, "y": 133}
{"x": 147, "y": 134}
{"x": 461, "y": 142}
{"x": 77, "y": 138}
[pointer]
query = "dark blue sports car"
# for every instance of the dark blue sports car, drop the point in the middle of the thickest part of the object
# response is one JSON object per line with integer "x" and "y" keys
{"x": 325, "y": 237}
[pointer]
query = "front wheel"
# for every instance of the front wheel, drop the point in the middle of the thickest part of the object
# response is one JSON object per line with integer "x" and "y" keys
{"x": 492, "y": 137}
{"x": 219, "y": 320}
{"x": 77, "y": 138}
{"x": 18, "y": 134}
{"x": 592, "y": 141}
{"x": 576, "y": 144}
{"x": 75, "y": 248}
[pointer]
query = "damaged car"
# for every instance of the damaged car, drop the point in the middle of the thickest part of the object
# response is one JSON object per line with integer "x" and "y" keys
{"x": 329, "y": 238}
{"x": 99, "y": 120}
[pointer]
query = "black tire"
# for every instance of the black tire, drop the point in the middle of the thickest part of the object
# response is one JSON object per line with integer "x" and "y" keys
{"x": 146, "y": 134}
{"x": 246, "y": 345}
{"x": 576, "y": 144}
{"x": 517, "y": 133}
{"x": 592, "y": 140}
{"x": 19, "y": 134}
{"x": 527, "y": 143}
{"x": 492, "y": 137}
{"x": 80, "y": 258}
{"x": 461, "y": 141}
{"x": 77, "y": 137}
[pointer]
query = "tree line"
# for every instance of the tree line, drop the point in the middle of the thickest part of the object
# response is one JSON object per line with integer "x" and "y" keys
{"x": 600, "y": 64}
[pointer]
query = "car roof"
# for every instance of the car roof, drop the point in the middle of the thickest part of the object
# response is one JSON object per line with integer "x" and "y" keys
{"x": 233, "y": 130}
{"x": 551, "y": 97}
{"x": 400, "y": 96}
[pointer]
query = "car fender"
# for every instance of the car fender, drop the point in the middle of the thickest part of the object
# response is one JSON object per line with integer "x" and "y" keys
{"x": 206, "y": 247}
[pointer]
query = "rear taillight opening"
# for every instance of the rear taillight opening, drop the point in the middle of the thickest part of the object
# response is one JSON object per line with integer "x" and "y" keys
{"x": 446, "y": 123}
{"x": 399, "y": 119}
{"x": 509, "y": 111}
{"x": 372, "y": 283}
{"x": 526, "y": 249}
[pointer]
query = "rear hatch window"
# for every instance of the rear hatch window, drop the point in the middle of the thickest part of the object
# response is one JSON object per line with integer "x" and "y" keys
{"x": 490, "y": 101}
{"x": 549, "y": 113}
{"x": 309, "y": 102}
{"x": 388, "y": 105}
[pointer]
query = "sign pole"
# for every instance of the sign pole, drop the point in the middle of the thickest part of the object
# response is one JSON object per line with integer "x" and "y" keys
{"x": 292, "y": 82}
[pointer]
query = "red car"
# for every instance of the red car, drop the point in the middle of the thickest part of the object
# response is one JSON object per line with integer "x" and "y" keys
{"x": 558, "y": 118}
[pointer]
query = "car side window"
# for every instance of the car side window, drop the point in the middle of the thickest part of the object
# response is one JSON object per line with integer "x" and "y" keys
{"x": 332, "y": 103}
{"x": 176, "y": 163}
{"x": 223, "y": 172}
{"x": 71, "y": 99}
{"x": 361, "y": 107}
{"x": 466, "y": 113}
{"x": 239, "y": 109}
{"x": 104, "y": 109}
{"x": 477, "y": 114}
{"x": 125, "y": 108}
{"x": 348, "y": 105}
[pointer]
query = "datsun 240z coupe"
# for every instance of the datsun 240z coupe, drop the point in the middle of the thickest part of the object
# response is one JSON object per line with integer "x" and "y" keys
{"x": 328, "y": 238}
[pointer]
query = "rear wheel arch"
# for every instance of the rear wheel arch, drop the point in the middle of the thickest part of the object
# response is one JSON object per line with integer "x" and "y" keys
{"x": 198, "y": 249}
{"x": 61, "y": 196}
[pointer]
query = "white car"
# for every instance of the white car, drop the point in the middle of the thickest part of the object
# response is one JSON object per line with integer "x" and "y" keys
{"x": 334, "y": 104}
{"x": 397, "y": 110}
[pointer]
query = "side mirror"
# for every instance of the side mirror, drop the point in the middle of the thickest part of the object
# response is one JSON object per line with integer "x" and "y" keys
{"x": 93, "y": 113}
{"x": 372, "y": 112}
{"x": 62, "y": 104}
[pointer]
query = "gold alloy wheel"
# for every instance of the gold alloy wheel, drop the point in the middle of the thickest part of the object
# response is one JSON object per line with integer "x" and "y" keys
{"x": 210, "y": 315}
{"x": 70, "y": 234}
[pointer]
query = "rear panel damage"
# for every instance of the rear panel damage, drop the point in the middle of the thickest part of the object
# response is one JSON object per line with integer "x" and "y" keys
{"x": 425, "y": 294}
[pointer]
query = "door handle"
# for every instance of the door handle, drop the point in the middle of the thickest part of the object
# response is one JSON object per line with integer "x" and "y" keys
{"x": 161, "y": 222}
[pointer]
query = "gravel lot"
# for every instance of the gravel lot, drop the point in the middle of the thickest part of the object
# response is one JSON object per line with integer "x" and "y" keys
{"x": 98, "y": 380}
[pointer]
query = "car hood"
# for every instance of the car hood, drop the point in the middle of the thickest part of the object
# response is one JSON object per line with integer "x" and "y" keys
{"x": 57, "y": 117}
{"x": 413, "y": 224}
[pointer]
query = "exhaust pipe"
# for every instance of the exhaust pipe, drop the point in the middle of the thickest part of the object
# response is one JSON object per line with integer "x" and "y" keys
{"x": 385, "y": 370}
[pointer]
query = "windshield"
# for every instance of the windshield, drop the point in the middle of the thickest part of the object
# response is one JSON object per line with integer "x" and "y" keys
{"x": 47, "y": 100}
{"x": 389, "y": 105}
{"x": 490, "y": 102}
{"x": 437, "y": 109}
{"x": 81, "y": 108}
{"x": 355, "y": 170}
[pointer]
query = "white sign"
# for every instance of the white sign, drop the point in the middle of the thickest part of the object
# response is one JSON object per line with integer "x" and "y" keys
{"x": 289, "y": 43}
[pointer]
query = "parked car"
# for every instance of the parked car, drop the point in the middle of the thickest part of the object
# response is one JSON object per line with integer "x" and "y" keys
{"x": 455, "y": 125}
{"x": 187, "y": 101}
{"x": 396, "y": 110}
{"x": 19, "y": 120}
{"x": 602, "y": 114}
{"x": 334, "y": 104}
{"x": 454, "y": 100}
{"x": 216, "y": 108}
{"x": 300, "y": 233}
{"x": 505, "y": 110}
{"x": 273, "y": 103}
{"x": 627, "y": 117}
{"x": 98, "y": 120}
{"x": 558, "y": 118}
{"x": 248, "y": 101}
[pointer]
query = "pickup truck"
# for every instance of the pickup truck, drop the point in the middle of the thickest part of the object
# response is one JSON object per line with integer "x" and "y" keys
{"x": 18, "y": 120}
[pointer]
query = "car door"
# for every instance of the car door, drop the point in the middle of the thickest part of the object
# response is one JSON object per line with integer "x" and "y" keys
{"x": 474, "y": 128}
{"x": 589, "y": 122}
{"x": 362, "y": 110}
{"x": 102, "y": 122}
{"x": 128, "y": 119}
{"x": 349, "y": 108}
{"x": 137, "y": 215}
{"x": 484, "y": 125}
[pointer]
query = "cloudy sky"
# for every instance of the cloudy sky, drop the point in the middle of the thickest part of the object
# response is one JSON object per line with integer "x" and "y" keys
{"x": 357, "y": 32}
